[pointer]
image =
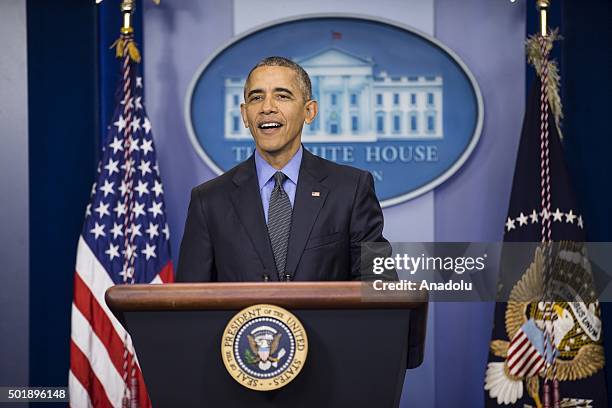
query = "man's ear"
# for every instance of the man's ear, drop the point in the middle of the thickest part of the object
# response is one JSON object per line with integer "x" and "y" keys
{"x": 311, "y": 108}
{"x": 244, "y": 116}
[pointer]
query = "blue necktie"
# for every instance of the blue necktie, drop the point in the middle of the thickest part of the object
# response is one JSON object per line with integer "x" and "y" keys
{"x": 279, "y": 223}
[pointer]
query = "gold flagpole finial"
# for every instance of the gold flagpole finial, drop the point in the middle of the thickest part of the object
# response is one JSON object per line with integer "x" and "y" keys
{"x": 543, "y": 6}
{"x": 127, "y": 8}
{"x": 125, "y": 45}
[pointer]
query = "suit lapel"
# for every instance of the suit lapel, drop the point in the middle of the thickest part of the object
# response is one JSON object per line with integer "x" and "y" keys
{"x": 306, "y": 208}
{"x": 246, "y": 200}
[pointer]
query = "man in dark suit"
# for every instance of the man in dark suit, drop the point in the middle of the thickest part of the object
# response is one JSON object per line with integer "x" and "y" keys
{"x": 283, "y": 214}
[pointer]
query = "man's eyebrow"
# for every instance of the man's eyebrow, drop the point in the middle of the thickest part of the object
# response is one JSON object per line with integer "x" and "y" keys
{"x": 254, "y": 91}
{"x": 285, "y": 90}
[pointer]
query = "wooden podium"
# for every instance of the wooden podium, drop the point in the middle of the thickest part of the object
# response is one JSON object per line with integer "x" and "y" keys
{"x": 359, "y": 346}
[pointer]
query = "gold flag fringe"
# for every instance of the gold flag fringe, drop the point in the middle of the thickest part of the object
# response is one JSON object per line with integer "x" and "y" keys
{"x": 535, "y": 58}
{"x": 126, "y": 44}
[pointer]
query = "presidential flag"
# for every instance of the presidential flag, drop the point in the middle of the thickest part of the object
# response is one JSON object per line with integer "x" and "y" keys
{"x": 124, "y": 241}
{"x": 546, "y": 349}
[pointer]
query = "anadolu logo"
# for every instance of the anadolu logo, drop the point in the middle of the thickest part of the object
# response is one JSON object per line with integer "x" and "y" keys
{"x": 392, "y": 100}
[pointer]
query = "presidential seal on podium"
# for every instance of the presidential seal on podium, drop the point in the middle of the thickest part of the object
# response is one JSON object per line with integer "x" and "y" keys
{"x": 264, "y": 347}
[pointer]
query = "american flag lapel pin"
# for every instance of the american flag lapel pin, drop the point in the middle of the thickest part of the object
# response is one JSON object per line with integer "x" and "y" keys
{"x": 316, "y": 194}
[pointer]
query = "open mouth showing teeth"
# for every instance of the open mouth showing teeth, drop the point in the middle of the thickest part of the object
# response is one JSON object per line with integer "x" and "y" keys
{"x": 270, "y": 125}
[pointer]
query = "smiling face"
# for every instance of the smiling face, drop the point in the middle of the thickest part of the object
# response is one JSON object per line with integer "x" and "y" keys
{"x": 275, "y": 110}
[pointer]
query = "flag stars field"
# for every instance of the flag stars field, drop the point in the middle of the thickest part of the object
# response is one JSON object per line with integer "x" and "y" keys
{"x": 144, "y": 167}
{"x": 135, "y": 124}
{"x": 127, "y": 274}
{"x": 155, "y": 209}
{"x": 157, "y": 188}
{"x": 130, "y": 164}
{"x": 98, "y": 231}
{"x": 117, "y": 145}
{"x": 116, "y": 230}
{"x": 123, "y": 188}
{"x": 120, "y": 209}
{"x": 142, "y": 188}
{"x": 557, "y": 216}
{"x": 149, "y": 251}
{"x": 133, "y": 144}
{"x": 146, "y": 126}
{"x": 152, "y": 230}
{"x": 102, "y": 209}
{"x": 121, "y": 123}
{"x": 135, "y": 231}
{"x": 146, "y": 145}
{"x": 130, "y": 251}
{"x": 112, "y": 251}
{"x": 138, "y": 210}
{"x": 107, "y": 188}
{"x": 130, "y": 103}
{"x": 112, "y": 167}
{"x": 138, "y": 102}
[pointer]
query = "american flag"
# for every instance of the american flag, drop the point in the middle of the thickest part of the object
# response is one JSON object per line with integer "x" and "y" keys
{"x": 124, "y": 240}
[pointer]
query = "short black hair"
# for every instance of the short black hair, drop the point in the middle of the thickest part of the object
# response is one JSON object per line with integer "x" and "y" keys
{"x": 276, "y": 61}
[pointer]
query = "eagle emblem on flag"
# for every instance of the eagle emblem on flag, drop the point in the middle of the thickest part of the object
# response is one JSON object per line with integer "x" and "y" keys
{"x": 576, "y": 341}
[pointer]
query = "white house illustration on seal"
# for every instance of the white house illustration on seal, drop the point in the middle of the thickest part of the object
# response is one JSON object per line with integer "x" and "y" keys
{"x": 355, "y": 105}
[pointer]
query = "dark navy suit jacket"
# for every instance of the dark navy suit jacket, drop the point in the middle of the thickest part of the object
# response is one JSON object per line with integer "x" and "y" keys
{"x": 226, "y": 237}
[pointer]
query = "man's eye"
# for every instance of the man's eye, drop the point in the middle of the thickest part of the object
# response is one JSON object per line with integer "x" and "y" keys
{"x": 255, "y": 98}
{"x": 281, "y": 96}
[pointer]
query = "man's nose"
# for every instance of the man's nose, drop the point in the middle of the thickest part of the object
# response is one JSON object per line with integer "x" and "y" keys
{"x": 269, "y": 105}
